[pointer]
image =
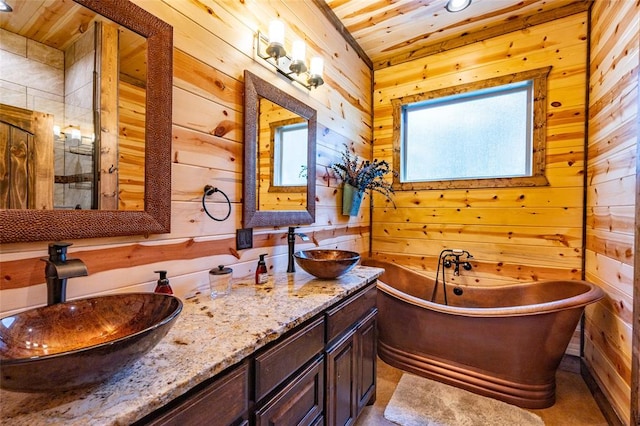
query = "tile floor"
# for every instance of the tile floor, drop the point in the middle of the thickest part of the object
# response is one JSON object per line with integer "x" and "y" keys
{"x": 574, "y": 404}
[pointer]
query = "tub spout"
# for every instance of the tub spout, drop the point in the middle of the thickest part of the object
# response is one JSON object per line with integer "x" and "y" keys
{"x": 456, "y": 270}
{"x": 58, "y": 270}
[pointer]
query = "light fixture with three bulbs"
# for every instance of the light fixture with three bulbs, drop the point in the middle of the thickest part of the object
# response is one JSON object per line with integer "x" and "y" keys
{"x": 293, "y": 66}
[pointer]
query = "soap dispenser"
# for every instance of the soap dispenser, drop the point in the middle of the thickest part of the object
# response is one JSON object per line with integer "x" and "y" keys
{"x": 261, "y": 271}
{"x": 163, "y": 283}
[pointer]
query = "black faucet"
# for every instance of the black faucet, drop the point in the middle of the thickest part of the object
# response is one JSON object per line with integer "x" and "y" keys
{"x": 58, "y": 269}
{"x": 446, "y": 256}
{"x": 291, "y": 240}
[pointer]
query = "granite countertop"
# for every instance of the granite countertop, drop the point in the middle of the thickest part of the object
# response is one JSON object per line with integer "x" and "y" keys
{"x": 208, "y": 336}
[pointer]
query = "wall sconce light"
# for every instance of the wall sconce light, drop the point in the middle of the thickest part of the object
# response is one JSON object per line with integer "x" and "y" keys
{"x": 271, "y": 50}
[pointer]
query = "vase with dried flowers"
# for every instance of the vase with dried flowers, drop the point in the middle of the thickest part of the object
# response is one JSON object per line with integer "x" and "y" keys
{"x": 358, "y": 177}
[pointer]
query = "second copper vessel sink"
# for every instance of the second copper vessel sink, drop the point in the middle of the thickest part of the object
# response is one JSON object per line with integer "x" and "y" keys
{"x": 81, "y": 342}
{"x": 326, "y": 264}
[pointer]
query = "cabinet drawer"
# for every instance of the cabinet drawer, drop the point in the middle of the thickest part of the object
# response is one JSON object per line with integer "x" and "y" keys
{"x": 223, "y": 402}
{"x": 276, "y": 364}
{"x": 299, "y": 403}
{"x": 347, "y": 313}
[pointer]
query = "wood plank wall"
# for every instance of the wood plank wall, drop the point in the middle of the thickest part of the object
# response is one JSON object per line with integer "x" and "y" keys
{"x": 212, "y": 47}
{"x": 611, "y": 207}
{"x": 131, "y": 110}
{"x": 514, "y": 234}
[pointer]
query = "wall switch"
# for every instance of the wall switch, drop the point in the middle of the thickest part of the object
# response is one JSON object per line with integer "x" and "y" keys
{"x": 244, "y": 238}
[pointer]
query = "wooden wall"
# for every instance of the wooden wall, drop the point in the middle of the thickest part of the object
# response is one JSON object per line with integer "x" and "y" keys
{"x": 611, "y": 207}
{"x": 131, "y": 110}
{"x": 515, "y": 234}
{"x": 212, "y": 47}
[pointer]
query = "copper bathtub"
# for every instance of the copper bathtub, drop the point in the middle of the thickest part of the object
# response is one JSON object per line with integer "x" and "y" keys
{"x": 502, "y": 342}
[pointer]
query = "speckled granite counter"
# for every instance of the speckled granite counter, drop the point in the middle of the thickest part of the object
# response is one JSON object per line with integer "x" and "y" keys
{"x": 208, "y": 336}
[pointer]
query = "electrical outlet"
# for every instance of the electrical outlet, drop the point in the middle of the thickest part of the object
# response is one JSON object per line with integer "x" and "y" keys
{"x": 244, "y": 238}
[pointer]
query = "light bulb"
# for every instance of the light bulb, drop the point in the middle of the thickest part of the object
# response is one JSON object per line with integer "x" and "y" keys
{"x": 315, "y": 72}
{"x": 297, "y": 53}
{"x": 276, "y": 32}
{"x": 276, "y": 40}
{"x": 317, "y": 65}
{"x": 297, "y": 57}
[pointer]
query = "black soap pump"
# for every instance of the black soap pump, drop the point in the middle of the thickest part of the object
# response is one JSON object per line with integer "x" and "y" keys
{"x": 261, "y": 271}
{"x": 163, "y": 286}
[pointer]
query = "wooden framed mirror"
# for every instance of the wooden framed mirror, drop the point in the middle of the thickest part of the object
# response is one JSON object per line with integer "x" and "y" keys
{"x": 18, "y": 225}
{"x": 273, "y": 117}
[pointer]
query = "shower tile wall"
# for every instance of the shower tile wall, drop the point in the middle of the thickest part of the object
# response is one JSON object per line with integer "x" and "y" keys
{"x": 77, "y": 159}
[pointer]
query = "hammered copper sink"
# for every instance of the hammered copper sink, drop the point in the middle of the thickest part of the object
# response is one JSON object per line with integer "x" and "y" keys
{"x": 81, "y": 342}
{"x": 326, "y": 264}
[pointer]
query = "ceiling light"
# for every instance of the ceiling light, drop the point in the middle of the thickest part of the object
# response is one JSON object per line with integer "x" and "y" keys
{"x": 457, "y": 5}
{"x": 4, "y": 7}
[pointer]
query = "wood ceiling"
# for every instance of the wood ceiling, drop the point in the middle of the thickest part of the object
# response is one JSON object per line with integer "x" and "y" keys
{"x": 395, "y": 31}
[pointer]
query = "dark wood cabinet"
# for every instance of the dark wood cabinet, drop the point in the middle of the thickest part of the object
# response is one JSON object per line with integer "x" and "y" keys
{"x": 300, "y": 402}
{"x": 351, "y": 371}
{"x": 276, "y": 364}
{"x": 366, "y": 374}
{"x": 225, "y": 401}
{"x": 342, "y": 407}
{"x": 323, "y": 372}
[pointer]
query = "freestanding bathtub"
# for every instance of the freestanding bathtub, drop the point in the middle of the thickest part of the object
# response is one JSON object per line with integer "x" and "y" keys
{"x": 502, "y": 342}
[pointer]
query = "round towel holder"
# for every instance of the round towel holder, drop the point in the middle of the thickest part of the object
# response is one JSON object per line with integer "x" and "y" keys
{"x": 210, "y": 190}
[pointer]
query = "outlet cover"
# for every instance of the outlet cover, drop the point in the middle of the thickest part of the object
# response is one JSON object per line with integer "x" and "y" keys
{"x": 244, "y": 238}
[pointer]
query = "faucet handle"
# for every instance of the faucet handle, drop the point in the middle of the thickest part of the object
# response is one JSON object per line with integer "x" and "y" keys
{"x": 58, "y": 251}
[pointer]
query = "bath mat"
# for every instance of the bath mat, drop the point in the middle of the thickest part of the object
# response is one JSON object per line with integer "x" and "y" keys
{"x": 422, "y": 402}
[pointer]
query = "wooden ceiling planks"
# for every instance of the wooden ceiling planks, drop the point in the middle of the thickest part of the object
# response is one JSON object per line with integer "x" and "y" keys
{"x": 392, "y": 32}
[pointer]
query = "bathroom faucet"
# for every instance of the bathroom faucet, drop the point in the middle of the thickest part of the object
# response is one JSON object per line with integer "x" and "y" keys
{"x": 456, "y": 254}
{"x": 58, "y": 269}
{"x": 291, "y": 240}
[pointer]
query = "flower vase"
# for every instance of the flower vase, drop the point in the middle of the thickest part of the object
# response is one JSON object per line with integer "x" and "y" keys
{"x": 351, "y": 200}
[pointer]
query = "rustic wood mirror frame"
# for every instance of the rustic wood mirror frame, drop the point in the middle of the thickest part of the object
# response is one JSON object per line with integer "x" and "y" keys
{"x": 254, "y": 88}
{"x": 39, "y": 225}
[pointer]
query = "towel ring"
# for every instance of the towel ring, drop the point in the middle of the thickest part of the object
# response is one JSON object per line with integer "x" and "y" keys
{"x": 209, "y": 190}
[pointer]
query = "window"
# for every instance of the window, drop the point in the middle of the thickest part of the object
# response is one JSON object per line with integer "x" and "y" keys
{"x": 489, "y": 133}
{"x": 289, "y": 155}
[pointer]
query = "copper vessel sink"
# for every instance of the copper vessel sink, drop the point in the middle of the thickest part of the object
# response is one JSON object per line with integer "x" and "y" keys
{"x": 81, "y": 342}
{"x": 326, "y": 264}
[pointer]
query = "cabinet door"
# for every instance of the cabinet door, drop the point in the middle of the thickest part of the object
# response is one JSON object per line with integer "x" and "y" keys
{"x": 366, "y": 339}
{"x": 341, "y": 381}
{"x": 299, "y": 403}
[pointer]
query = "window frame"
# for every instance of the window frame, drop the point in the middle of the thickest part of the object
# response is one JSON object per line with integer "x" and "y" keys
{"x": 538, "y": 142}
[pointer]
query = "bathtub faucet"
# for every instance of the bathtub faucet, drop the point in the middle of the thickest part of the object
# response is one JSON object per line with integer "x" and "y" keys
{"x": 291, "y": 240}
{"x": 451, "y": 257}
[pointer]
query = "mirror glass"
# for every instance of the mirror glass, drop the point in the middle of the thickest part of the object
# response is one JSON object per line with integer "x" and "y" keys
{"x": 280, "y": 151}
{"x": 85, "y": 76}
{"x": 282, "y": 158}
{"x": 105, "y": 130}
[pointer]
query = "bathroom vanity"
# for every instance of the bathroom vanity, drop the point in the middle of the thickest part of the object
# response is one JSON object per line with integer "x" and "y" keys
{"x": 296, "y": 349}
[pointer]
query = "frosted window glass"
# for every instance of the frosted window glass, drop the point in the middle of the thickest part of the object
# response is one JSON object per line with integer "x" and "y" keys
{"x": 482, "y": 134}
{"x": 290, "y": 157}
